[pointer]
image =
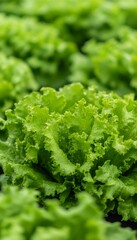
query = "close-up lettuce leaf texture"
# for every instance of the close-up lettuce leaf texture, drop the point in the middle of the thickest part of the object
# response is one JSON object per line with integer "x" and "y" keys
{"x": 73, "y": 140}
{"x": 68, "y": 120}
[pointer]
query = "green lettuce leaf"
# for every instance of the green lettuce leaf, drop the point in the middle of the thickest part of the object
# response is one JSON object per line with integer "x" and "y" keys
{"x": 21, "y": 218}
{"x": 111, "y": 65}
{"x": 16, "y": 80}
{"x": 76, "y": 20}
{"x": 76, "y": 139}
{"x": 40, "y": 46}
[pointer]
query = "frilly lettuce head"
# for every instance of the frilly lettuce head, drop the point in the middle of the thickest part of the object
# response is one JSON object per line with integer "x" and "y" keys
{"x": 73, "y": 140}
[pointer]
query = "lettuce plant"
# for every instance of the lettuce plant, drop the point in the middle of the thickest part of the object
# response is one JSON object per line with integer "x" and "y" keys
{"x": 76, "y": 20}
{"x": 40, "y": 46}
{"x": 16, "y": 80}
{"x": 111, "y": 65}
{"x": 21, "y": 218}
{"x": 74, "y": 140}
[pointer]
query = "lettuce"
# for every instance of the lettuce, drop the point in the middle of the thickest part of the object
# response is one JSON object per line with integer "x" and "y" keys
{"x": 16, "y": 80}
{"x": 22, "y": 219}
{"x": 129, "y": 10}
{"x": 74, "y": 140}
{"x": 110, "y": 65}
{"x": 40, "y": 46}
{"x": 76, "y": 20}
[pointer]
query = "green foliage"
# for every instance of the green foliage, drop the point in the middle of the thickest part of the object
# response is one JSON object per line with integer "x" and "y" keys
{"x": 57, "y": 144}
{"x": 39, "y": 46}
{"x": 16, "y": 80}
{"x": 129, "y": 10}
{"x": 46, "y": 10}
{"x": 65, "y": 142}
{"x": 76, "y": 20}
{"x": 22, "y": 219}
{"x": 111, "y": 65}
